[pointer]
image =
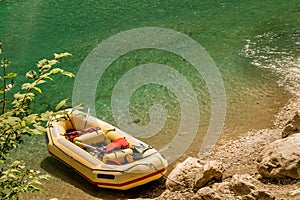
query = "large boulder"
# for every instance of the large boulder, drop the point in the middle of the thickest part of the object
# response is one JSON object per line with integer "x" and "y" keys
{"x": 194, "y": 173}
{"x": 293, "y": 126}
{"x": 281, "y": 158}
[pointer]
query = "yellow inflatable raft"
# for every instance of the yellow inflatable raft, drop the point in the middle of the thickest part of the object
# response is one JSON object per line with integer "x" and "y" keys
{"x": 102, "y": 153}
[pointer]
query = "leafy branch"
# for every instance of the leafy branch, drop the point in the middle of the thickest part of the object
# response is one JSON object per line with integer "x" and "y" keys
{"x": 18, "y": 120}
{"x": 18, "y": 179}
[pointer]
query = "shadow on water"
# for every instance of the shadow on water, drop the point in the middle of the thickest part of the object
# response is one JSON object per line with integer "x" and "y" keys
{"x": 66, "y": 174}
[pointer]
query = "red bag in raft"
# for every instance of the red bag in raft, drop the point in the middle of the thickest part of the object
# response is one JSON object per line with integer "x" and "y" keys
{"x": 120, "y": 143}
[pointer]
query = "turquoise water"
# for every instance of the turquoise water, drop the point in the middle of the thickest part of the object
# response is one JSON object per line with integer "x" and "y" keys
{"x": 240, "y": 36}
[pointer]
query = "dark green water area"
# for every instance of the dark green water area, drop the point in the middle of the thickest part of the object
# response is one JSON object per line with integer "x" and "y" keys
{"x": 253, "y": 43}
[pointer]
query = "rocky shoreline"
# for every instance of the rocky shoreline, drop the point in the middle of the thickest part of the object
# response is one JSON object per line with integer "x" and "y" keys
{"x": 265, "y": 164}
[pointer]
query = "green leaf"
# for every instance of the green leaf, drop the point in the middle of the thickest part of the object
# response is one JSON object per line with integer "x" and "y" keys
{"x": 30, "y": 119}
{"x": 8, "y": 87}
{"x": 12, "y": 121}
{"x": 27, "y": 86}
{"x": 57, "y": 56}
{"x": 47, "y": 75}
{"x": 61, "y": 104}
{"x": 19, "y": 95}
{"x": 12, "y": 176}
{"x": 69, "y": 74}
{"x": 38, "y": 127}
{"x": 41, "y": 63}
{"x": 44, "y": 68}
{"x": 5, "y": 63}
{"x": 40, "y": 82}
{"x": 46, "y": 115}
{"x": 36, "y": 182}
{"x": 45, "y": 177}
{"x": 15, "y": 163}
{"x": 56, "y": 70}
{"x": 52, "y": 62}
{"x": 78, "y": 107}
{"x": 38, "y": 89}
{"x": 10, "y": 75}
{"x": 37, "y": 131}
{"x": 31, "y": 74}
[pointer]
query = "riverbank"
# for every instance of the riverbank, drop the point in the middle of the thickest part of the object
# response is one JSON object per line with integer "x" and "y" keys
{"x": 239, "y": 157}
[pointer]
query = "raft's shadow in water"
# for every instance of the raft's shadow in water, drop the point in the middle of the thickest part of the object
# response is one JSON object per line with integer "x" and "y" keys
{"x": 59, "y": 170}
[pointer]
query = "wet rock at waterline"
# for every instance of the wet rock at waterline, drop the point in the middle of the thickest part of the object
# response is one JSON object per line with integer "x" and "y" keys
{"x": 293, "y": 126}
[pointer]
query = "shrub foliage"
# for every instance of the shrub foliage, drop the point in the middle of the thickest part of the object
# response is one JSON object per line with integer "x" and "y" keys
{"x": 17, "y": 119}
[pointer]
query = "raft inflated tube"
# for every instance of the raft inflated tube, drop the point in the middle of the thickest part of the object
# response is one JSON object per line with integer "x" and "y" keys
{"x": 121, "y": 156}
{"x": 112, "y": 136}
{"x": 91, "y": 138}
{"x": 63, "y": 126}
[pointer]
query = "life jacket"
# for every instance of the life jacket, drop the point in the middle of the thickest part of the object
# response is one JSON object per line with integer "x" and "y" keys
{"x": 73, "y": 134}
{"x": 120, "y": 143}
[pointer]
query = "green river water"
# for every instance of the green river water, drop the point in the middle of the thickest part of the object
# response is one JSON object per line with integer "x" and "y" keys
{"x": 255, "y": 45}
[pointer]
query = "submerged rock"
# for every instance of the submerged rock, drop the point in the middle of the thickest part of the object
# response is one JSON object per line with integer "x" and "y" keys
{"x": 293, "y": 126}
{"x": 194, "y": 173}
{"x": 281, "y": 158}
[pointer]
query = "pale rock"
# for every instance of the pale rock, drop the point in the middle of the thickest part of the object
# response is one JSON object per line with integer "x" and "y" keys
{"x": 177, "y": 195}
{"x": 194, "y": 173}
{"x": 212, "y": 171}
{"x": 239, "y": 187}
{"x": 281, "y": 158}
{"x": 217, "y": 191}
{"x": 259, "y": 195}
{"x": 295, "y": 194}
{"x": 241, "y": 184}
{"x": 293, "y": 126}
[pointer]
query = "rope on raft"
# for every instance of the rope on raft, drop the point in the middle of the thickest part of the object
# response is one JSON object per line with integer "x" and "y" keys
{"x": 166, "y": 177}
